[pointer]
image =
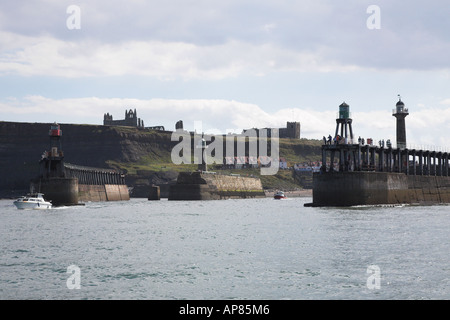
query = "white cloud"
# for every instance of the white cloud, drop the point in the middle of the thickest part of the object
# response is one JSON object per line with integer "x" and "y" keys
{"x": 48, "y": 56}
{"x": 321, "y": 33}
{"x": 445, "y": 102}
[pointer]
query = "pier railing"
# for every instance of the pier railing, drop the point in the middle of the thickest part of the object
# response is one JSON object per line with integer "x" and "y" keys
{"x": 93, "y": 176}
{"x": 358, "y": 157}
{"x": 409, "y": 146}
{"x": 428, "y": 147}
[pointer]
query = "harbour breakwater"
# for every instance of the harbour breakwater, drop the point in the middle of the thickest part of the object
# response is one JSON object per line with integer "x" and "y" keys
{"x": 67, "y": 191}
{"x": 97, "y": 146}
{"x": 374, "y": 188}
{"x": 66, "y": 184}
{"x": 211, "y": 186}
{"x": 78, "y": 184}
{"x": 371, "y": 175}
{"x": 356, "y": 173}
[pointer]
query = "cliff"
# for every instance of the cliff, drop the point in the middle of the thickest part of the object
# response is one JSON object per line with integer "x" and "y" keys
{"x": 22, "y": 144}
{"x": 142, "y": 154}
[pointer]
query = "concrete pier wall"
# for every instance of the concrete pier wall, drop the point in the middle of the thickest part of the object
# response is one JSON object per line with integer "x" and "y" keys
{"x": 67, "y": 191}
{"x": 373, "y": 188}
{"x": 95, "y": 193}
{"x": 98, "y": 184}
{"x": 61, "y": 191}
{"x": 208, "y": 186}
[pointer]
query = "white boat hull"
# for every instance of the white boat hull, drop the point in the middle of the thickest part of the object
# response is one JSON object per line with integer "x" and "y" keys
{"x": 32, "y": 203}
{"x": 32, "y": 206}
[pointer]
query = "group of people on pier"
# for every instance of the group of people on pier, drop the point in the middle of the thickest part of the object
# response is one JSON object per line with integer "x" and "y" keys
{"x": 361, "y": 141}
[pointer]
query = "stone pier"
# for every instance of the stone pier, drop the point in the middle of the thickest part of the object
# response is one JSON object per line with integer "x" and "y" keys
{"x": 211, "y": 186}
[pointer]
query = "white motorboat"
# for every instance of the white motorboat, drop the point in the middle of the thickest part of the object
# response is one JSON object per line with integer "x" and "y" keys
{"x": 32, "y": 201}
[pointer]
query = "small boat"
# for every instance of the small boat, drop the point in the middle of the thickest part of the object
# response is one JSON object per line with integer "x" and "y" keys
{"x": 32, "y": 201}
{"x": 279, "y": 195}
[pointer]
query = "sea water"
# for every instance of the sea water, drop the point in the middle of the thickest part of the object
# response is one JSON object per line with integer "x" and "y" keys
{"x": 226, "y": 249}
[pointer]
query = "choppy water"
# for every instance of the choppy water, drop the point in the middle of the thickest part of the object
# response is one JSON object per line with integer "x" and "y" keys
{"x": 230, "y": 249}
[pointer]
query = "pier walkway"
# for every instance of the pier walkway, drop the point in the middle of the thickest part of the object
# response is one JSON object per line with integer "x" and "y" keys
{"x": 93, "y": 176}
{"x": 343, "y": 157}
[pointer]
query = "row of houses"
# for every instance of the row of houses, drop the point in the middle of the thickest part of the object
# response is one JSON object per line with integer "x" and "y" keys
{"x": 264, "y": 161}
{"x": 247, "y": 162}
{"x": 308, "y": 167}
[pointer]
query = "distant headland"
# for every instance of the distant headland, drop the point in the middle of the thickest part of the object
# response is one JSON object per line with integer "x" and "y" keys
{"x": 143, "y": 154}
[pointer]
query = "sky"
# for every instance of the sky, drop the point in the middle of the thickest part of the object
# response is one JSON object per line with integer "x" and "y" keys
{"x": 232, "y": 64}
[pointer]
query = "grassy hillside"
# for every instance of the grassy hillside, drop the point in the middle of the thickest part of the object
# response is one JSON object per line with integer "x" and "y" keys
{"x": 299, "y": 151}
{"x": 155, "y": 158}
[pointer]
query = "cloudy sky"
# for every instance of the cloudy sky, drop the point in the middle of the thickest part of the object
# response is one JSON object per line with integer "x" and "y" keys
{"x": 230, "y": 64}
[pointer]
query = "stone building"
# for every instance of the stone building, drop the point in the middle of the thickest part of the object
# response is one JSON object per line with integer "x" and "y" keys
{"x": 291, "y": 131}
{"x": 131, "y": 120}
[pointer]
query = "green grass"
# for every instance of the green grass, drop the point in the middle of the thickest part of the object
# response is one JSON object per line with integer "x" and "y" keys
{"x": 131, "y": 168}
{"x": 299, "y": 151}
{"x": 158, "y": 158}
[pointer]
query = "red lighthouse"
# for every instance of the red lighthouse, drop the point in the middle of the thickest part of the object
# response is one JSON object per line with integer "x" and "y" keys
{"x": 52, "y": 162}
{"x": 55, "y": 130}
{"x": 55, "y": 134}
{"x": 52, "y": 180}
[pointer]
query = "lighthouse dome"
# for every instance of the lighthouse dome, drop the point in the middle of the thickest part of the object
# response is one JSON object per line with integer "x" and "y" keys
{"x": 400, "y": 107}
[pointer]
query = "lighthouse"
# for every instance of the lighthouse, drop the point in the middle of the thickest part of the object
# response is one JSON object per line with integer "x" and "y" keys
{"x": 400, "y": 112}
{"x": 344, "y": 124}
{"x": 52, "y": 162}
{"x": 55, "y": 134}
